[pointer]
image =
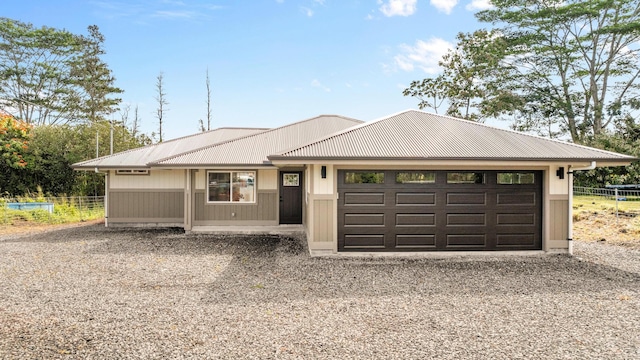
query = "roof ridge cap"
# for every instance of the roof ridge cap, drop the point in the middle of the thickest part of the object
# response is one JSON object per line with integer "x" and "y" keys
{"x": 249, "y": 136}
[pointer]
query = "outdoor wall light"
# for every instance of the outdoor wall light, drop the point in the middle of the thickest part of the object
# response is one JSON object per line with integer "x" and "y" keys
{"x": 560, "y": 172}
{"x": 323, "y": 172}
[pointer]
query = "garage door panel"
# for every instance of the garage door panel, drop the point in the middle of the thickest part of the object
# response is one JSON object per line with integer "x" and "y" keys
{"x": 515, "y": 219}
{"x": 415, "y": 220}
{"x": 474, "y": 240}
{"x": 364, "y": 241}
{"x": 439, "y": 216}
{"x": 466, "y": 198}
{"x": 372, "y": 198}
{"x": 466, "y": 219}
{"x": 351, "y": 220}
{"x": 516, "y": 199}
{"x": 416, "y": 241}
{"x": 515, "y": 240}
{"x": 404, "y": 198}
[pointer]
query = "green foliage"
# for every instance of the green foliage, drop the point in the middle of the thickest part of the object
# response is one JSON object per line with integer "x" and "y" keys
{"x": 53, "y": 149}
{"x": 57, "y": 81}
{"x": 50, "y": 76}
{"x": 14, "y": 141}
{"x": 624, "y": 140}
{"x": 65, "y": 210}
{"x": 555, "y": 67}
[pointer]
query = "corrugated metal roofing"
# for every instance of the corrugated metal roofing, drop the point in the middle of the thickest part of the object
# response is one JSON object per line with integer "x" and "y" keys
{"x": 254, "y": 149}
{"x": 140, "y": 157}
{"x": 416, "y": 134}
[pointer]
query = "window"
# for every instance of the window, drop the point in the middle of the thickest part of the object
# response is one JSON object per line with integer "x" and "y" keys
{"x": 132, "y": 172}
{"x": 290, "y": 179}
{"x": 465, "y": 178}
{"x": 363, "y": 177}
{"x": 516, "y": 178}
{"x": 415, "y": 177}
{"x": 231, "y": 186}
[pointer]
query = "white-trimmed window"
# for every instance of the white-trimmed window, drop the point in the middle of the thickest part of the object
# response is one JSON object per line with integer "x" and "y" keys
{"x": 231, "y": 186}
{"x": 132, "y": 172}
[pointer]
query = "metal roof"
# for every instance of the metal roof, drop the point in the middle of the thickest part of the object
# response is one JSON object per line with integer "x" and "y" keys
{"x": 416, "y": 134}
{"x": 254, "y": 149}
{"x": 141, "y": 157}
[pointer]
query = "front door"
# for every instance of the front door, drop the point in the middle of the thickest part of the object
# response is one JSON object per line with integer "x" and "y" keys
{"x": 290, "y": 197}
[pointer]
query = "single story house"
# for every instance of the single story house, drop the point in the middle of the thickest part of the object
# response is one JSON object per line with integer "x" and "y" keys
{"x": 409, "y": 182}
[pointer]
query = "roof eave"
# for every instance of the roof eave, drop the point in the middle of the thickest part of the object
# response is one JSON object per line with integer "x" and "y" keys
{"x": 608, "y": 161}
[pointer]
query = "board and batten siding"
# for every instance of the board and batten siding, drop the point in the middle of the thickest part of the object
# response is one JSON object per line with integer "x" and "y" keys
{"x": 558, "y": 224}
{"x": 323, "y": 218}
{"x": 146, "y": 206}
{"x": 263, "y": 212}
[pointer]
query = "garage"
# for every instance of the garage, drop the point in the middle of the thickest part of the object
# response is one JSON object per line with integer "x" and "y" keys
{"x": 422, "y": 210}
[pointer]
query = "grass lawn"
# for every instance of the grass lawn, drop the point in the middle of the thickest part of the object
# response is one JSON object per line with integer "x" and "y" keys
{"x": 595, "y": 220}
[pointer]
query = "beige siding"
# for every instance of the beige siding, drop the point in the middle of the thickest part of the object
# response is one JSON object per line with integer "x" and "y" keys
{"x": 558, "y": 217}
{"x": 146, "y": 206}
{"x": 200, "y": 179}
{"x": 323, "y": 186}
{"x": 323, "y": 220}
{"x": 267, "y": 179}
{"x": 558, "y": 186}
{"x": 263, "y": 212}
{"x": 157, "y": 179}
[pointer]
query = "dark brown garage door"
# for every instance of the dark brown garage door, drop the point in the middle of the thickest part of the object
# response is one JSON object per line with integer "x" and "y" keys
{"x": 439, "y": 210}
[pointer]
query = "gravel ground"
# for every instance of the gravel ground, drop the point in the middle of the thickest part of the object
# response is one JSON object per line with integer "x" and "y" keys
{"x": 91, "y": 292}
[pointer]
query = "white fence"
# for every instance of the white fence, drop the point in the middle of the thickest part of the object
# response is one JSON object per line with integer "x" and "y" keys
{"x": 608, "y": 193}
{"x": 628, "y": 199}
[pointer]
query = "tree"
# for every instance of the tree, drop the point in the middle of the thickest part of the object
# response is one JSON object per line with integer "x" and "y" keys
{"x": 565, "y": 66}
{"x": 579, "y": 58}
{"x": 93, "y": 80}
{"x": 624, "y": 139}
{"x": 208, "y": 102}
{"x": 465, "y": 84}
{"x": 34, "y": 71}
{"x": 162, "y": 102}
{"x": 14, "y": 140}
{"x": 51, "y": 76}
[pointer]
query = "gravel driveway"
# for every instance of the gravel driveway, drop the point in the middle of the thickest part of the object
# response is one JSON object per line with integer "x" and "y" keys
{"x": 91, "y": 292}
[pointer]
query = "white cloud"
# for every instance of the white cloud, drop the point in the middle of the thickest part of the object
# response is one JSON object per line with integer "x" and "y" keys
{"x": 398, "y": 7}
{"x": 424, "y": 55}
{"x": 316, "y": 84}
{"x": 306, "y": 11}
{"x": 479, "y": 5}
{"x": 169, "y": 14}
{"x": 444, "y": 5}
{"x": 320, "y": 2}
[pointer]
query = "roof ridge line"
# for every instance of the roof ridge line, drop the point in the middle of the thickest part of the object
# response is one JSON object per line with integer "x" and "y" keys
{"x": 157, "y": 162}
{"x": 167, "y": 142}
{"x": 338, "y": 133}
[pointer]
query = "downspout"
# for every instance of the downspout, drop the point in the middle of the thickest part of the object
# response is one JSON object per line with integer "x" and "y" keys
{"x": 570, "y": 172}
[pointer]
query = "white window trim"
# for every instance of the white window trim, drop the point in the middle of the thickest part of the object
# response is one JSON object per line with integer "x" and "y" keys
{"x": 230, "y": 172}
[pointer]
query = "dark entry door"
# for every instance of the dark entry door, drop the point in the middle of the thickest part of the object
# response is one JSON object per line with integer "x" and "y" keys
{"x": 290, "y": 197}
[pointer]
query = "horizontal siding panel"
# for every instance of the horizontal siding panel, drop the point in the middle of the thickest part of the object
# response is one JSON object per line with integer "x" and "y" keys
{"x": 265, "y": 209}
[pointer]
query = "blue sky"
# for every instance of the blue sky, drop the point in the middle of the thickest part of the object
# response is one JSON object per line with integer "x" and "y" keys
{"x": 270, "y": 62}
